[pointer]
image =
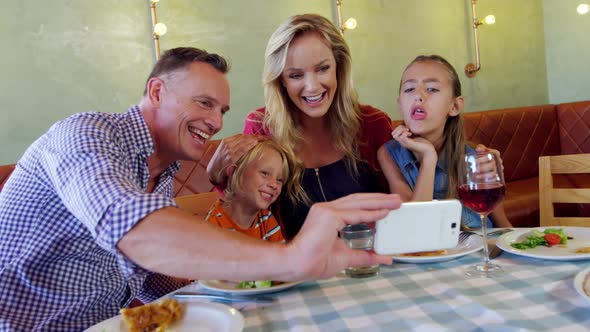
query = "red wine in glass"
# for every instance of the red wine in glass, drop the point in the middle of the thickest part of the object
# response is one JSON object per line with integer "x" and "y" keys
{"x": 481, "y": 188}
{"x": 482, "y": 197}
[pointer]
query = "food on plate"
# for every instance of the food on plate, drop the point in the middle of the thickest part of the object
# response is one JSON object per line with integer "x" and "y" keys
{"x": 583, "y": 250}
{"x": 425, "y": 253}
{"x": 586, "y": 284}
{"x": 258, "y": 284}
{"x": 152, "y": 317}
{"x": 549, "y": 237}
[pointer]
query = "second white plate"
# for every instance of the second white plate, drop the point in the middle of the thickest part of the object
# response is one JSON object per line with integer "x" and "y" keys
{"x": 581, "y": 238}
{"x": 579, "y": 283}
{"x": 472, "y": 244}
{"x": 230, "y": 287}
{"x": 198, "y": 316}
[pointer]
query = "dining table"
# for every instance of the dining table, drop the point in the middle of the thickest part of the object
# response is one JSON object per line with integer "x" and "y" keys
{"x": 533, "y": 295}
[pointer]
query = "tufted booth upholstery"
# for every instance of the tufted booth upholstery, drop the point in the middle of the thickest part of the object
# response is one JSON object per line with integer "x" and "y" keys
{"x": 521, "y": 134}
{"x": 524, "y": 134}
{"x": 192, "y": 177}
{"x": 5, "y": 171}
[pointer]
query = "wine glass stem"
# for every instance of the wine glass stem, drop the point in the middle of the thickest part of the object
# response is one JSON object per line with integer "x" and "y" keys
{"x": 484, "y": 235}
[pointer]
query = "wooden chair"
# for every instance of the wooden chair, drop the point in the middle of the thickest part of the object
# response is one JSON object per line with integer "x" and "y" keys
{"x": 548, "y": 194}
{"x": 197, "y": 204}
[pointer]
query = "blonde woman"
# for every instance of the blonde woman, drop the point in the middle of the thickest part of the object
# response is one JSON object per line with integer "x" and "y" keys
{"x": 312, "y": 110}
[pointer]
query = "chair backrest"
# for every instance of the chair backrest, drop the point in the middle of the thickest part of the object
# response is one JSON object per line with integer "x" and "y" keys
{"x": 548, "y": 194}
{"x": 197, "y": 204}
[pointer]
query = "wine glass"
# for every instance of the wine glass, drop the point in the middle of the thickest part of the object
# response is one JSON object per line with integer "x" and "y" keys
{"x": 481, "y": 189}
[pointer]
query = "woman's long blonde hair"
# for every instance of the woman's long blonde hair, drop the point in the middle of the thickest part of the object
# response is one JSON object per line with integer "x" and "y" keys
{"x": 281, "y": 117}
{"x": 453, "y": 146}
{"x": 291, "y": 171}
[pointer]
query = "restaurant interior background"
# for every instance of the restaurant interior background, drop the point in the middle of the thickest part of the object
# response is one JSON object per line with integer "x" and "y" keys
{"x": 62, "y": 57}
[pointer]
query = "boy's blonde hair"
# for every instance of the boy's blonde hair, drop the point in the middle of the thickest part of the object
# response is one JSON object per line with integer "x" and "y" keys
{"x": 282, "y": 116}
{"x": 291, "y": 170}
{"x": 453, "y": 146}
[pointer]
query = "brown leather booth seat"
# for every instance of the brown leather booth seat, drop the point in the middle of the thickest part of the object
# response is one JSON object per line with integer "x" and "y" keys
{"x": 521, "y": 134}
{"x": 524, "y": 134}
{"x": 192, "y": 177}
{"x": 5, "y": 171}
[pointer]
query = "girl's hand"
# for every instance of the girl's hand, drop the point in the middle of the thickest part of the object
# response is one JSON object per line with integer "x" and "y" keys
{"x": 490, "y": 165}
{"x": 421, "y": 147}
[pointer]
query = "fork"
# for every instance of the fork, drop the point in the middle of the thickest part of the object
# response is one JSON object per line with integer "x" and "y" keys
{"x": 464, "y": 235}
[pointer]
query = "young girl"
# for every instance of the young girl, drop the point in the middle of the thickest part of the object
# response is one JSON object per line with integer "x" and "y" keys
{"x": 255, "y": 182}
{"x": 420, "y": 162}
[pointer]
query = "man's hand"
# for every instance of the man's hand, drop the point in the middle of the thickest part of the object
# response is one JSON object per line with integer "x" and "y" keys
{"x": 317, "y": 252}
{"x": 229, "y": 151}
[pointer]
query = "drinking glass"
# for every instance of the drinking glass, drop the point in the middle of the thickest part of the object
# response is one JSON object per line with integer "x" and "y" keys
{"x": 359, "y": 237}
{"x": 481, "y": 189}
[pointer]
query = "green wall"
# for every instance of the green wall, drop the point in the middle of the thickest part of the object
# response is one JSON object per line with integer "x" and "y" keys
{"x": 567, "y": 47}
{"x": 66, "y": 56}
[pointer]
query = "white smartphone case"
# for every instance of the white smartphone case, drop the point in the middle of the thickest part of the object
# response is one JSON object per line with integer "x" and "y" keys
{"x": 419, "y": 226}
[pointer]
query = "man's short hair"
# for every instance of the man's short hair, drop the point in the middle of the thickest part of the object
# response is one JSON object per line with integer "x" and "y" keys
{"x": 180, "y": 57}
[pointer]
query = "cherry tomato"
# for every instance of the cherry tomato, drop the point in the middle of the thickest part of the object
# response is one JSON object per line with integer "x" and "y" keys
{"x": 552, "y": 239}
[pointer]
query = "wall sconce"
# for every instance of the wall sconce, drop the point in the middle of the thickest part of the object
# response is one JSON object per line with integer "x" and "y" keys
{"x": 471, "y": 69}
{"x": 583, "y": 9}
{"x": 350, "y": 23}
{"x": 158, "y": 28}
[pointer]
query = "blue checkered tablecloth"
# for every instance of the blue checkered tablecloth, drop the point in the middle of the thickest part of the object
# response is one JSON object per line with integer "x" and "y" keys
{"x": 535, "y": 295}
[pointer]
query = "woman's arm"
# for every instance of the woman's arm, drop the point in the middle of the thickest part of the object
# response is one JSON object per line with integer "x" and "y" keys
{"x": 229, "y": 151}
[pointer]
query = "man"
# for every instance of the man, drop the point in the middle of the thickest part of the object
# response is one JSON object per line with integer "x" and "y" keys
{"x": 87, "y": 219}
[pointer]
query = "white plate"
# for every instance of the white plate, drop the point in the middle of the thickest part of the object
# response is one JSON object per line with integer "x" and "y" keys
{"x": 198, "y": 316}
{"x": 230, "y": 287}
{"x": 579, "y": 283}
{"x": 581, "y": 237}
{"x": 472, "y": 244}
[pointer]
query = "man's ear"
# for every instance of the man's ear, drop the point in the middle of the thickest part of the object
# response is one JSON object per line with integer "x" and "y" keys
{"x": 155, "y": 86}
{"x": 457, "y": 106}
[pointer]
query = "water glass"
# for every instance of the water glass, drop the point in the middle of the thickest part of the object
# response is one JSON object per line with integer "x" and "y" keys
{"x": 359, "y": 237}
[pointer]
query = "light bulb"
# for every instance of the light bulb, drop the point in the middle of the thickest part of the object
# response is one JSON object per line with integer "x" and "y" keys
{"x": 490, "y": 19}
{"x": 350, "y": 24}
{"x": 160, "y": 29}
{"x": 582, "y": 9}
{"x": 154, "y": 1}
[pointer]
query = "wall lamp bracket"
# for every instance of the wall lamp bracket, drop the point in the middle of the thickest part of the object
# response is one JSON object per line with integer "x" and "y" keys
{"x": 350, "y": 23}
{"x": 472, "y": 68}
{"x": 158, "y": 28}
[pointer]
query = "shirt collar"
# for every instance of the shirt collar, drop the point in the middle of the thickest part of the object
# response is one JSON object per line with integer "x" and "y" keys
{"x": 139, "y": 134}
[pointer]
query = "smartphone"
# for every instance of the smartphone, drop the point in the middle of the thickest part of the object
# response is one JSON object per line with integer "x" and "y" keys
{"x": 419, "y": 226}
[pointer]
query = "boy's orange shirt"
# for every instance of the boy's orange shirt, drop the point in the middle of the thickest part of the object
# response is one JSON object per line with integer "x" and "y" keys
{"x": 265, "y": 227}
